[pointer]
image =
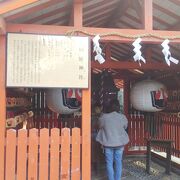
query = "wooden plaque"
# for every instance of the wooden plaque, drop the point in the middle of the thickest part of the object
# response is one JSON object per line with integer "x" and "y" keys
{"x": 47, "y": 61}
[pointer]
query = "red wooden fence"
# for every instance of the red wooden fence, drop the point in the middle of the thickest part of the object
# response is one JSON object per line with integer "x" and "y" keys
{"x": 43, "y": 154}
{"x": 169, "y": 128}
{"x": 136, "y": 131}
{"x": 45, "y": 118}
{"x": 166, "y": 127}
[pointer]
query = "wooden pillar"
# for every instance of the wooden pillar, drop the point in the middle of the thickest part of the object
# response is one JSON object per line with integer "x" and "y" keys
{"x": 86, "y": 105}
{"x": 126, "y": 96}
{"x": 126, "y": 103}
{"x": 78, "y": 13}
{"x": 148, "y": 14}
{"x": 2, "y": 103}
{"x": 86, "y": 134}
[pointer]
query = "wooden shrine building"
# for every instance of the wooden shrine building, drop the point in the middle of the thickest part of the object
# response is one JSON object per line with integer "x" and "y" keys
{"x": 54, "y": 146}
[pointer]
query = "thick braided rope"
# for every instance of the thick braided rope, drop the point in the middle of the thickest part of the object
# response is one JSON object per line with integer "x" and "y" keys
{"x": 147, "y": 35}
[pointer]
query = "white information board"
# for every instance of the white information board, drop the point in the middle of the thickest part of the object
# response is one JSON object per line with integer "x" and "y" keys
{"x": 47, "y": 61}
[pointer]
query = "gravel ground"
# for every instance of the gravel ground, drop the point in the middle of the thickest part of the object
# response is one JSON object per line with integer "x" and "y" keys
{"x": 134, "y": 169}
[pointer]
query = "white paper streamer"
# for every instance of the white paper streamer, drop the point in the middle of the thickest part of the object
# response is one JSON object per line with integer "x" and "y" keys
{"x": 138, "y": 55}
{"x": 98, "y": 50}
{"x": 167, "y": 53}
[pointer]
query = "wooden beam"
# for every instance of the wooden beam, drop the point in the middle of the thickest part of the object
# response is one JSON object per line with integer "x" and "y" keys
{"x": 78, "y": 13}
{"x": 15, "y": 4}
{"x": 28, "y": 11}
{"x": 46, "y": 15}
{"x": 165, "y": 11}
{"x": 133, "y": 18}
{"x": 126, "y": 75}
{"x": 176, "y": 26}
{"x": 71, "y": 20}
{"x": 77, "y": 6}
{"x": 134, "y": 65}
{"x": 106, "y": 34}
{"x": 87, "y": 10}
{"x": 95, "y": 20}
{"x": 97, "y": 14}
{"x": 124, "y": 22}
{"x": 177, "y": 2}
{"x": 148, "y": 54}
{"x": 138, "y": 7}
{"x": 2, "y": 102}
{"x": 148, "y": 14}
{"x": 108, "y": 51}
{"x": 163, "y": 22}
{"x": 2, "y": 26}
{"x": 57, "y": 20}
{"x": 119, "y": 11}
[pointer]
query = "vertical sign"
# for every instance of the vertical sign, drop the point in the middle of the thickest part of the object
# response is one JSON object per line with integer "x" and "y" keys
{"x": 47, "y": 61}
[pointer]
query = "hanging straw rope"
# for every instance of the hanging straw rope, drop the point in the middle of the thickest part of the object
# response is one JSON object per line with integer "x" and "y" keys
{"x": 150, "y": 35}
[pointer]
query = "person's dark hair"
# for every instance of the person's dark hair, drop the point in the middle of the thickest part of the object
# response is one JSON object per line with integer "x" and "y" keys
{"x": 114, "y": 105}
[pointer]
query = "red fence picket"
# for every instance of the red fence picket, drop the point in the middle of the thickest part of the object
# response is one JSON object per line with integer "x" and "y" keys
{"x": 43, "y": 155}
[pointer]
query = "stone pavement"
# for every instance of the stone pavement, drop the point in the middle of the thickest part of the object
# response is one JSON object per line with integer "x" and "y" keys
{"x": 134, "y": 169}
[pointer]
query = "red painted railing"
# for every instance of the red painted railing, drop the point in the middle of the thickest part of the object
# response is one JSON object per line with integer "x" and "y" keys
{"x": 169, "y": 128}
{"x": 136, "y": 131}
{"x": 162, "y": 125}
